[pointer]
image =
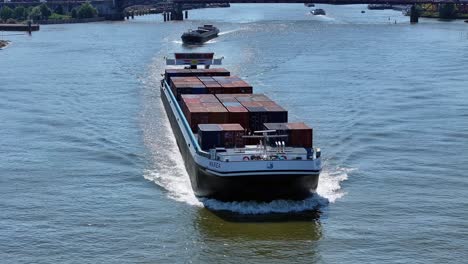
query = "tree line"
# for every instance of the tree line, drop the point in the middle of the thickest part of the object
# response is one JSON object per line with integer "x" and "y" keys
{"x": 43, "y": 12}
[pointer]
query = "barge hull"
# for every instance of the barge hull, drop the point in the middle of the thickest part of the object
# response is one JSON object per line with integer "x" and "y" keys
{"x": 238, "y": 188}
{"x": 198, "y": 40}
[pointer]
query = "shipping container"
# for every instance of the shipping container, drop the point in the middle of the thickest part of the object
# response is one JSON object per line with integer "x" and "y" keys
{"x": 209, "y": 136}
{"x": 260, "y": 115}
{"x": 232, "y": 135}
{"x": 220, "y": 135}
{"x": 227, "y": 98}
{"x": 203, "y": 109}
{"x": 237, "y": 113}
{"x": 232, "y": 85}
{"x": 299, "y": 134}
{"x": 169, "y": 73}
{"x": 252, "y": 98}
{"x": 186, "y": 85}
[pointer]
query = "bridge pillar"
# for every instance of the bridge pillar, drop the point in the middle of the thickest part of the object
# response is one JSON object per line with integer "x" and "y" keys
{"x": 178, "y": 12}
{"x": 186, "y": 14}
{"x": 165, "y": 16}
{"x": 414, "y": 15}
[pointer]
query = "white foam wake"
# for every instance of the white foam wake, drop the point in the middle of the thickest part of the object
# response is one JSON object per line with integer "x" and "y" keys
{"x": 176, "y": 181}
{"x": 328, "y": 192}
{"x": 228, "y": 32}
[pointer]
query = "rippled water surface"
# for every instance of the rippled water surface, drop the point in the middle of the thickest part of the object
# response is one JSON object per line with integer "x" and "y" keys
{"x": 90, "y": 173}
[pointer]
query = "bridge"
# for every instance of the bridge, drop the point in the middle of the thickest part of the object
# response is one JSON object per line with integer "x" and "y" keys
{"x": 178, "y": 4}
{"x": 114, "y": 9}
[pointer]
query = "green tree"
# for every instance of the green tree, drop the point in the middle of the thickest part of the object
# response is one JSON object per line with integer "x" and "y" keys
{"x": 447, "y": 11}
{"x": 20, "y": 13}
{"x": 35, "y": 13}
{"x": 86, "y": 10}
{"x": 74, "y": 13}
{"x": 59, "y": 10}
{"x": 45, "y": 11}
{"x": 6, "y": 13}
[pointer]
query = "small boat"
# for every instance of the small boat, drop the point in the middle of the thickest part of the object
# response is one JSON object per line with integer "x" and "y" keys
{"x": 201, "y": 35}
{"x": 309, "y": 4}
{"x": 4, "y": 44}
{"x": 317, "y": 12}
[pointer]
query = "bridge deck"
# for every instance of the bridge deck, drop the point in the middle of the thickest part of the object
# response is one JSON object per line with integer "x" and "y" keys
{"x": 334, "y": 2}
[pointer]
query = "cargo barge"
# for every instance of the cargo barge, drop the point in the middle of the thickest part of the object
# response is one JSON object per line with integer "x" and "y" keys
{"x": 201, "y": 35}
{"x": 236, "y": 145}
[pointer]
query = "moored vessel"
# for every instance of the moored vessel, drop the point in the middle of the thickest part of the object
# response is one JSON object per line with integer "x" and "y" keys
{"x": 318, "y": 11}
{"x": 200, "y": 35}
{"x": 236, "y": 145}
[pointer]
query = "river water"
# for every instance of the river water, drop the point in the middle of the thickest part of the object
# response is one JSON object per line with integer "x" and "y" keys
{"x": 90, "y": 173}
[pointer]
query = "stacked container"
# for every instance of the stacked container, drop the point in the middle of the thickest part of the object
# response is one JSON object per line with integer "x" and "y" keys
{"x": 299, "y": 134}
{"x": 232, "y": 135}
{"x": 203, "y": 109}
{"x": 262, "y": 110}
{"x": 232, "y": 85}
{"x": 220, "y": 135}
{"x": 195, "y": 72}
{"x": 186, "y": 85}
{"x": 205, "y": 84}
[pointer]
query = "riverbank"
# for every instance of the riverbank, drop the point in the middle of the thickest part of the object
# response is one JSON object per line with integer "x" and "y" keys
{"x": 4, "y": 43}
{"x": 71, "y": 20}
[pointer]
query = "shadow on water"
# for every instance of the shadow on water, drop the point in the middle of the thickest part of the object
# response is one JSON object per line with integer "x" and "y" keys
{"x": 195, "y": 46}
{"x": 304, "y": 226}
{"x": 310, "y": 215}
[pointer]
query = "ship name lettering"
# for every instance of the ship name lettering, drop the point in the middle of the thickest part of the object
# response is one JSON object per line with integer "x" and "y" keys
{"x": 215, "y": 164}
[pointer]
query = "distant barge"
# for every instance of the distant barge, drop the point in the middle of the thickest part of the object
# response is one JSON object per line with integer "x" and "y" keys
{"x": 236, "y": 145}
{"x": 318, "y": 12}
{"x": 201, "y": 35}
{"x": 4, "y": 43}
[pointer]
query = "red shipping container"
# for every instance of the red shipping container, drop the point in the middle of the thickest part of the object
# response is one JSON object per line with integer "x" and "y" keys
{"x": 301, "y": 135}
{"x": 238, "y": 115}
{"x": 232, "y": 135}
{"x": 224, "y": 98}
{"x": 252, "y": 98}
{"x": 251, "y": 104}
{"x": 170, "y": 73}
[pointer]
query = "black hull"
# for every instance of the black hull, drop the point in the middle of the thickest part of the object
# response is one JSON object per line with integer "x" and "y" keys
{"x": 239, "y": 188}
{"x": 198, "y": 39}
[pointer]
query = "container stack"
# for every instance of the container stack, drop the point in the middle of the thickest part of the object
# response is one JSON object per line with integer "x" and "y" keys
{"x": 299, "y": 134}
{"x": 232, "y": 135}
{"x": 220, "y": 135}
{"x": 203, "y": 109}
{"x": 169, "y": 73}
{"x": 237, "y": 112}
{"x": 231, "y": 85}
{"x": 186, "y": 85}
{"x": 262, "y": 110}
{"x": 208, "y": 85}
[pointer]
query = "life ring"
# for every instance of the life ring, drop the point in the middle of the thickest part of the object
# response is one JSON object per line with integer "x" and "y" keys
{"x": 246, "y": 158}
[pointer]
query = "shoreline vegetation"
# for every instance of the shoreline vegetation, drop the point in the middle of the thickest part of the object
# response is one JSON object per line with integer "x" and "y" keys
{"x": 42, "y": 14}
{"x": 441, "y": 11}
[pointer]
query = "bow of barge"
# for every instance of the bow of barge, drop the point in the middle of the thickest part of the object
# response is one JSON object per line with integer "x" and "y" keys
{"x": 235, "y": 164}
